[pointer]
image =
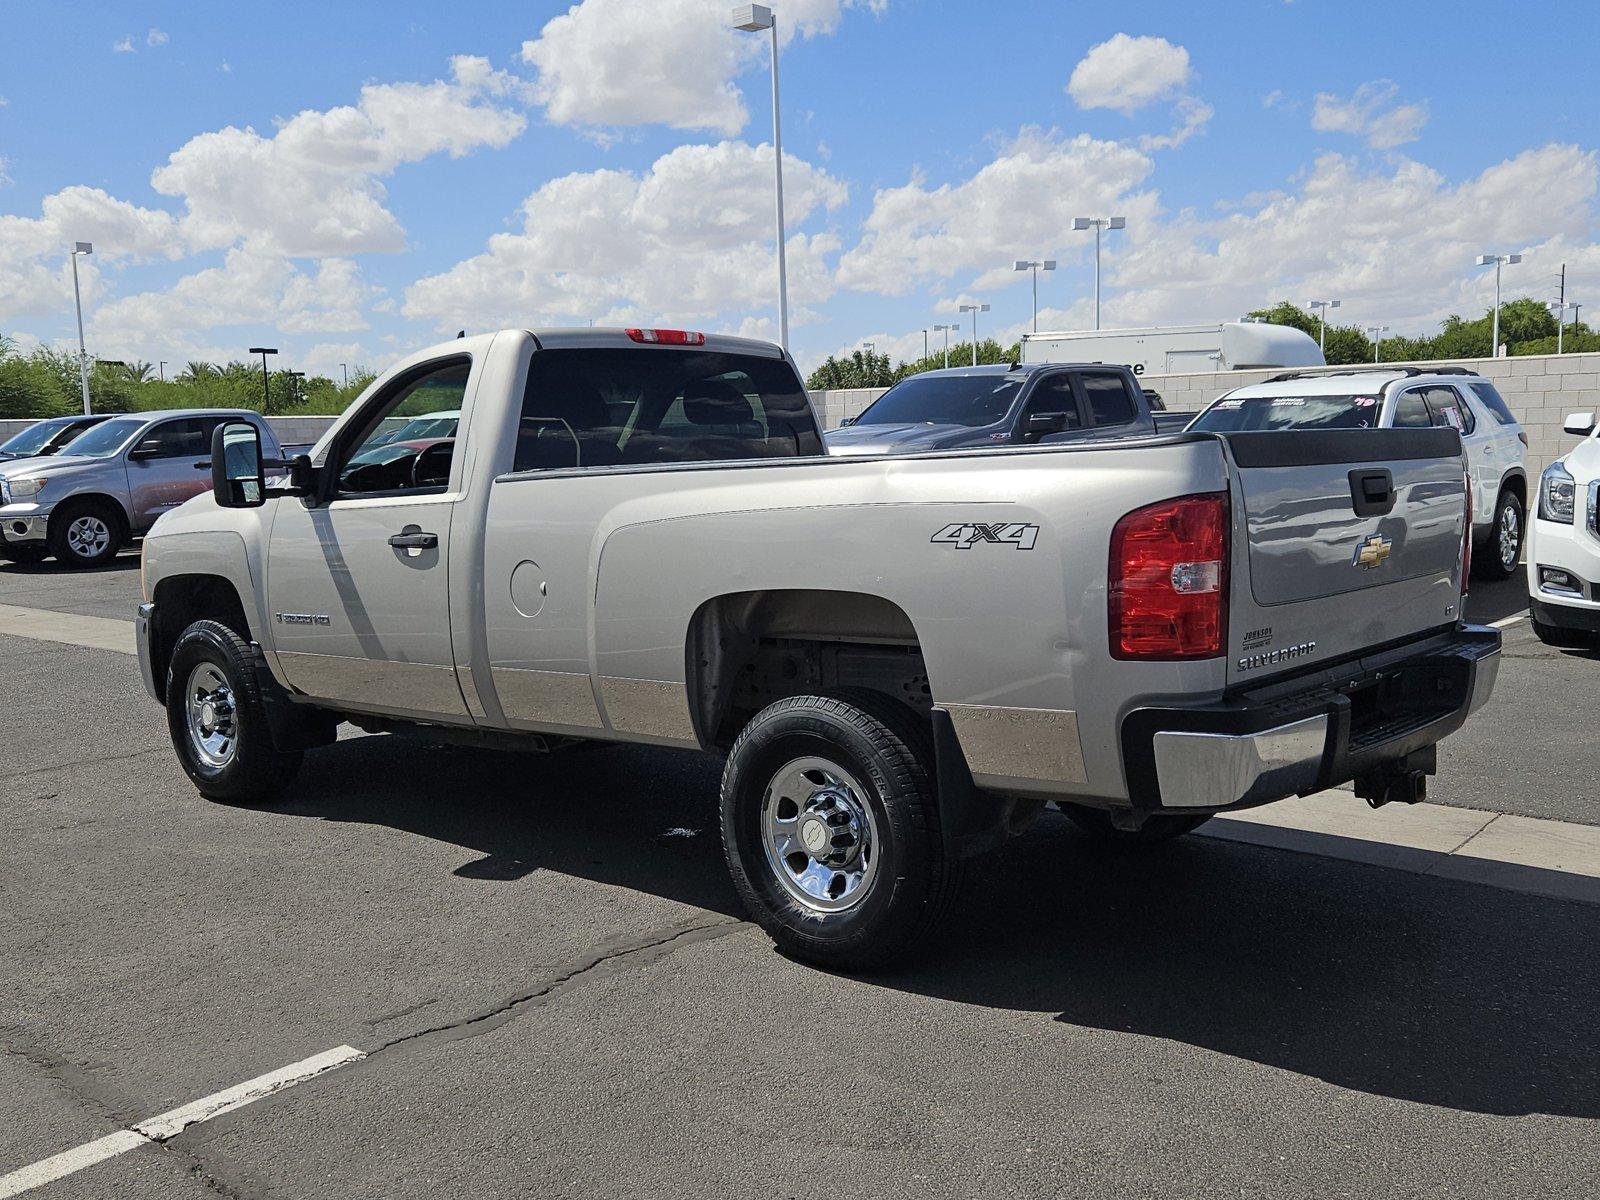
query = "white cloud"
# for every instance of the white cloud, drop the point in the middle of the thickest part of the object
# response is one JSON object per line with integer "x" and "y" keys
{"x": 253, "y": 289}
{"x": 613, "y": 63}
{"x": 687, "y": 241}
{"x": 155, "y": 38}
{"x": 125, "y": 46}
{"x": 1020, "y": 205}
{"x": 4, "y": 163}
{"x": 1126, "y": 73}
{"x": 1192, "y": 116}
{"x": 324, "y": 359}
{"x": 34, "y": 278}
{"x": 1370, "y": 113}
{"x": 312, "y": 189}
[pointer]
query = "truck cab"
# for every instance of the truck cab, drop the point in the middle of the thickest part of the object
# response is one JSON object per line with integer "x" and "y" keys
{"x": 1016, "y": 404}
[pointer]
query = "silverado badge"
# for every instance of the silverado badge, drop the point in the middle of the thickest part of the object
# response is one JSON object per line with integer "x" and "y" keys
{"x": 1370, "y": 552}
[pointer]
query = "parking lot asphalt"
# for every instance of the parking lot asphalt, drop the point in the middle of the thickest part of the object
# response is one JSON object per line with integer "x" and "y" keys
{"x": 556, "y": 994}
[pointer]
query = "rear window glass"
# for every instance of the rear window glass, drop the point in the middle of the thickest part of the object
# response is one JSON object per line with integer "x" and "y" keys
{"x": 596, "y": 408}
{"x": 1108, "y": 398}
{"x": 1238, "y": 413}
{"x": 970, "y": 400}
{"x": 1493, "y": 401}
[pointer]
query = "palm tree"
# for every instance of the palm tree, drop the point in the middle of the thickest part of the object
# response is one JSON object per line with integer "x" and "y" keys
{"x": 139, "y": 370}
{"x": 193, "y": 372}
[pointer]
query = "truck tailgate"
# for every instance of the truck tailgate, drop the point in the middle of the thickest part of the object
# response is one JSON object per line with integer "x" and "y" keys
{"x": 1345, "y": 541}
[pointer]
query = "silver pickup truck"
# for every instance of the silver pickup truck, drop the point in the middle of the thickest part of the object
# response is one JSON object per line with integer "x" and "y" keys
{"x": 634, "y": 536}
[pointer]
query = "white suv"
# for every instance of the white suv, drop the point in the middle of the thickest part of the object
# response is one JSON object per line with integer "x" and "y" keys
{"x": 1564, "y": 544}
{"x": 1402, "y": 397}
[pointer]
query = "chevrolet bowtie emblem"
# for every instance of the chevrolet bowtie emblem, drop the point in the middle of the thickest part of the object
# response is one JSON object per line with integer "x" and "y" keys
{"x": 1371, "y": 552}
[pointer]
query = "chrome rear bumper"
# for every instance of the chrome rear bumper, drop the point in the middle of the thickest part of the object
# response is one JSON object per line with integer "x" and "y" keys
{"x": 1214, "y": 770}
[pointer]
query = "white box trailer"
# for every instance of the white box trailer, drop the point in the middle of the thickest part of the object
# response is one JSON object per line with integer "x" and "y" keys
{"x": 1180, "y": 349}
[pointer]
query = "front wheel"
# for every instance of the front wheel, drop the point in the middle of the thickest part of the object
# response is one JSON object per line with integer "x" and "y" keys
{"x": 86, "y": 533}
{"x": 217, "y": 719}
{"x": 1162, "y": 827}
{"x": 830, "y": 825}
{"x": 1503, "y": 551}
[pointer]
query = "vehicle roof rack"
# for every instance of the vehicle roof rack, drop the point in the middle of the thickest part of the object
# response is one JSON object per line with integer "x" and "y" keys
{"x": 1406, "y": 371}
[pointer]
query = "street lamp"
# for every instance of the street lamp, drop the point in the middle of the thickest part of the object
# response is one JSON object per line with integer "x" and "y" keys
{"x": 266, "y": 380}
{"x": 1559, "y": 309}
{"x": 162, "y": 368}
{"x": 1098, "y": 224}
{"x": 974, "y": 309}
{"x": 77, "y": 300}
{"x": 1499, "y": 260}
{"x": 1375, "y": 332}
{"x": 1322, "y": 307}
{"x": 924, "y": 345}
{"x": 752, "y": 18}
{"x": 345, "y": 367}
{"x": 947, "y": 330}
{"x": 1043, "y": 264}
{"x": 294, "y": 385}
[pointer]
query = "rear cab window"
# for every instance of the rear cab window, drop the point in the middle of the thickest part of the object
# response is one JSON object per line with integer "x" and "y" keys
{"x": 619, "y": 407}
{"x": 1234, "y": 414}
{"x": 1109, "y": 399}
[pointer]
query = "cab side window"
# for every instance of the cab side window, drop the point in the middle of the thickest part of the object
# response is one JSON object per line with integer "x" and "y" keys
{"x": 1054, "y": 395}
{"x": 1108, "y": 397}
{"x": 1411, "y": 411}
{"x": 177, "y": 439}
{"x": 409, "y": 437}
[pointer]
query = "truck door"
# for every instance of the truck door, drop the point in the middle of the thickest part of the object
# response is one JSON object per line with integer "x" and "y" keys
{"x": 357, "y": 579}
{"x": 162, "y": 467}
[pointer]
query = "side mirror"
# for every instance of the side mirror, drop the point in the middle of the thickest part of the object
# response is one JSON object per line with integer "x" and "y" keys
{"x": 1040, "y": 424}
{"x": 1154, "y": 400}
{"x": 148, "y": 448}
{"x": 847, "y": 422}
{"x": 1578, "y": 424}
{"x": 237, "y": 475}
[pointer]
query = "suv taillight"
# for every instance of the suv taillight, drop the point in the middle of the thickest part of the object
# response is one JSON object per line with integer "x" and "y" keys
{"x": 1168, "y": 583}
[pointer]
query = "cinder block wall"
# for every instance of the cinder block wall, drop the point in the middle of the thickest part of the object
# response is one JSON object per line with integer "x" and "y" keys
{"x": 1539, "y": 388}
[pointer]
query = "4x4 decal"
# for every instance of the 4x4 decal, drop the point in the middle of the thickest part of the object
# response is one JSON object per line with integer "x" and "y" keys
{"x": 966, "y": 535}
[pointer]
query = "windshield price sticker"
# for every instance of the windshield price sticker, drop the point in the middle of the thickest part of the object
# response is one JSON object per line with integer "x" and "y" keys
{"x": 1287, "y": 400}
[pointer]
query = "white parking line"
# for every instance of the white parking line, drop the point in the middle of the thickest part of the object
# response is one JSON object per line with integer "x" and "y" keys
{"x": 72, "y": 629}
{"x": 170, "y": 1124}
{"x": 1507, "y": 622}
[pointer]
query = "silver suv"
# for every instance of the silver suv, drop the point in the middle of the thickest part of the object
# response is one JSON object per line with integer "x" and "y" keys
{"x": 1402, "y": 398}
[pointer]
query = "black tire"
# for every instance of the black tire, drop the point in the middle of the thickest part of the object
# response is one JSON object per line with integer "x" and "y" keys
{"x": 1162, "y": 827}
{"x": 254, "y": 770}
{"x": 1488, "y": 560}
{"x": 24, "y": 553}
{"x": 887, "y": 750}
{"x": 1565, "y": 639}
{"x": 107, "y": 521}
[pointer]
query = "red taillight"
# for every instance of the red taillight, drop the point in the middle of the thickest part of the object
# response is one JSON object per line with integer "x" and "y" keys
{"x": 1168, "y": 593}
{"x": 667, "y": 337}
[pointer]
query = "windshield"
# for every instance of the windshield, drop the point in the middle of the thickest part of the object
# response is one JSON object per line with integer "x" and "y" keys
{"x": 31, "y": 440}
{"x": 970, "y": 400}
{"x": 1230, "y": 415}
{"x": 104, "y": 440}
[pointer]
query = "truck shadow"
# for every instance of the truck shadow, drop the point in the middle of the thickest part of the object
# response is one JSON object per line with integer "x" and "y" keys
{"x": 1390, "y": 983}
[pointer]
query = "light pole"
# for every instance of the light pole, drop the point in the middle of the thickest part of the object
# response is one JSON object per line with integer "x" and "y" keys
{"x": 752, "y": 18}
{"x": 294, "y": 385}
{"x": 1322, "y": 334}
{"x": 924, "y": 345}
{"x": 1043, "y": 264}
{"x": 162, "y": 368}
{"x": 1559, "y": 308}
{"x": 77, "y": 300}
{"x": 1499, "y": 260}
{"x": 974, "y": 309}
{"x": 1098, "y": 224}
{"x": 345, "y": 367}
{"x": 1376, "y": 332}
{"x": 1575, "y": 306}
{"x": 947, "y": 330}
{"x": 266, "y": 379}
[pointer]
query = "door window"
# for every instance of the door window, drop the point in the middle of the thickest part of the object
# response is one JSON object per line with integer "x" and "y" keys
{"x": 1108, "y": 397}
{"x": 1448, "y": 410}
{"x": 1054, "y": 395}
{"x": 1411, "y": 411}
{"x": 187, "y": 438}
{"x": 408, "y": 439}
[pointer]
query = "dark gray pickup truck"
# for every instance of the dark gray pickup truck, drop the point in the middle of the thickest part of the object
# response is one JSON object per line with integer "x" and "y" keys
{"x": 1017, "y": 404}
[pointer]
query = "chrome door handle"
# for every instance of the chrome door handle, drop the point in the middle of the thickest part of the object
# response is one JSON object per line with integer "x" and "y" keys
{"x": 414, "y": 541}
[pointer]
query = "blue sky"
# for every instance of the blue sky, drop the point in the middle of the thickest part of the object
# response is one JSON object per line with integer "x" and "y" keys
{"x": 350, "y": 181}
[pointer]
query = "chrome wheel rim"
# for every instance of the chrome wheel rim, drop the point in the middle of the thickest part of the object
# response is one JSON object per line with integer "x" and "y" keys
{"x": 88, "y": 536}
{"x": 211, "y": 720}
{"x": 819, "y": 834}
{"x": 1510, "y": 537}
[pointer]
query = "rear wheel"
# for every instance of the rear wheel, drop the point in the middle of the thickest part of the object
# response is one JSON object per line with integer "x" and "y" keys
{"x": 217, "y": 719}
{"x": 1162, "y": 827}
{"x": 830, "y": 825}
{"x": 86, "y": 533}
{"x": 1503, "y": 551}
